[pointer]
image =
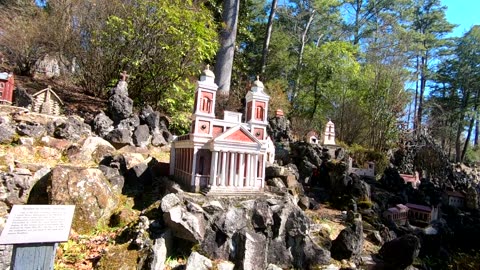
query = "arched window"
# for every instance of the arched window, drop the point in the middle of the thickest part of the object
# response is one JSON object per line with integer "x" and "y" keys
{"x": 206, "y": 104}
{"x": 259, "y": 113}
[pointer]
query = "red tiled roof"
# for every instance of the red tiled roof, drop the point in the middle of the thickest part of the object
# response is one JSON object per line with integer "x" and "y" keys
{"x": 419, "y": 207}
{"x": 455, "y": 194}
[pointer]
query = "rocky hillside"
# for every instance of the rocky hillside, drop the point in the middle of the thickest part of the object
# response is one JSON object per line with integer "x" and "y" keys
{"x": 313, "y": 214}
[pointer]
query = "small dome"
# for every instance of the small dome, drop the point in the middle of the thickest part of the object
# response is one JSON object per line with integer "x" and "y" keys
{"x": 208, "y": 73}
{"x": 258, "y": 83}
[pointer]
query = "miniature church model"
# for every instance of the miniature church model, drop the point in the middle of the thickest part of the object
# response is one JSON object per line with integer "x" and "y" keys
{"x": 223, "y": 156}
{"x": 329, "y": 137}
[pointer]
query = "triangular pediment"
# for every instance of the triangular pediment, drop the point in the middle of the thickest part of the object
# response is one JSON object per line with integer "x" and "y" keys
{"x": 238, "y": 134}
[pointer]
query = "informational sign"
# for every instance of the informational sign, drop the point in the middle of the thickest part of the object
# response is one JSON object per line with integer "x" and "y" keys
{"x": 38, "y": 224}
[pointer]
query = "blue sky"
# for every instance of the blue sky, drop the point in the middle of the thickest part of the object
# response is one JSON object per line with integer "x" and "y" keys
{"x": 465, "y": 13}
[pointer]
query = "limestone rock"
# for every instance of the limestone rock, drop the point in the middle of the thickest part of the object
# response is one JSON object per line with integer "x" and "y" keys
{"x": 160, "y": 250}
{"x": 212, "y": 207}
{"x": 49, "y": 153}
{"x": 120, "y": 106}
{"x": 89, "y": 190}
{"x": 119, "y": 137}
{"x": 60, "y": 144}
{"x": 158, "y": 139}
{"x": 102, "y": 124}
{"x": 141, "y": 136}
{"x": 279, "y": 129}
{"x": 262, "y": 216}
{"x": 15, "y": 188}
{"x": 21, "y": 98}
{"x": 93, "y": 148}
{"x": 198, "y": 262}
{"x": 31, "y": 130}
{"x": 169, "y": 201}
{"x": 349, "y": 243}
{"x": 225, "y": 265}
{"x": 7, "y": 133}
{"x": 129, "y": 123}
{"x": 72, "y": 129}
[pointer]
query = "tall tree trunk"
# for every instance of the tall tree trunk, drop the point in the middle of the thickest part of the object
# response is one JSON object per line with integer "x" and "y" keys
{"x": 415, "y": 106}
{"x": 303, "y": 41}
{"x": 356, "y": 32}
{"x": 268, "y": 35}
{"x": 470, "y": 128}
{"x": 423, "y": 83}
{"x": 467, "y": 140}
{"x": 228, "y": 35}
{"x": 477, "y": 126}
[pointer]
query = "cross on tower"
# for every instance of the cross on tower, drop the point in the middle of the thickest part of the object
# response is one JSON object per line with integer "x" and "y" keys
{"x": 124, "y": 75}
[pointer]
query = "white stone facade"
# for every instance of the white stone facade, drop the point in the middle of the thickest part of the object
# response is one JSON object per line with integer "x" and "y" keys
{"x": 223, "y": 156}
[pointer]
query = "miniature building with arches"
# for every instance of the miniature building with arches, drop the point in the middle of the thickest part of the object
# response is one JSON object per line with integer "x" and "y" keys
{"x": 329, "y": 136}
{"x": 368, "y": 168}
{"x": 312, "y": 137}
{"x": 6, "y": 87}
{"x": 223, "y": 156}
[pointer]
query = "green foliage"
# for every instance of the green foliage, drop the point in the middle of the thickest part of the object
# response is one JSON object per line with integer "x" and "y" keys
{"x": 160, "y": 43}
{"x": 365, "y": 204}
{"x": 276, "y": 89}
{"x": 361, "y": 155}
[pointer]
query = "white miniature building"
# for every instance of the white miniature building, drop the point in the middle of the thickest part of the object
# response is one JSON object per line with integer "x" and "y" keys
{"x": 397, "y": 214}
{"x": 329, "y": 137}
{"x": 223, "y": 156}
{"x": 368, "y": 168}
{"x": 414, "y": 179}
{"x": 270, "y": 150}
{"x": 312, "y": 137}
{"x": 454, "y": 198}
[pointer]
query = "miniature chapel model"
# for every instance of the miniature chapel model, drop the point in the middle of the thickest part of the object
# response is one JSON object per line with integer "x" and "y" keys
{"x": 329, "y": 136}
{"x": 223, "y": 156}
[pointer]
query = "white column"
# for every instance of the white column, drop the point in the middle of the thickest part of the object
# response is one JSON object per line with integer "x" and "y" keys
{"x": 231, "y": 180}
{"x": 193, "y": 166}
{"x": 224, "y": 167}
{"x": 263, "y": 169}
{"x": 213, "y": 168}
{"x": 249, "y": 168}
{"x": 241, "y": 169}
{"x": 255, "y": 169}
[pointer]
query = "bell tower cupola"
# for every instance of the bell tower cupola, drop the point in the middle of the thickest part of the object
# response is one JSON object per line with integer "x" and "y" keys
{"x": 256, "y": 110}
{"x": 205, "y": 94}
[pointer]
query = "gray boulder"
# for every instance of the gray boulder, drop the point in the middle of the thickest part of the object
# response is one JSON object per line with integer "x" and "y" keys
{"x": 73, "y": 129}
{"x": 21, "y": 98}
{"x": 141, "y": 136}
{"x": 93, "y": 148}
{"x": 158, "y": 139}
{"x": 249, "y": 249}
{"x": 120, "y": 106}
{"x": 349, "y": 243}
{"x": 184, "y": 224}
{"x": 15, "y": 188}
{"x": 400, "y": 252}
{"x": 160, "y": 250}
{"x": 7, "y": 133}
{"x": 102, "y": 124}
{"x": 31, "y": 130}
{"x": 88, "y": 190}
{"x": 119, "y": 137}
{"x": 129, "y": 123}
{"x": 198, "y": 262}
{"x": 114, "y": 177}
{"x": 262, "y": 216}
